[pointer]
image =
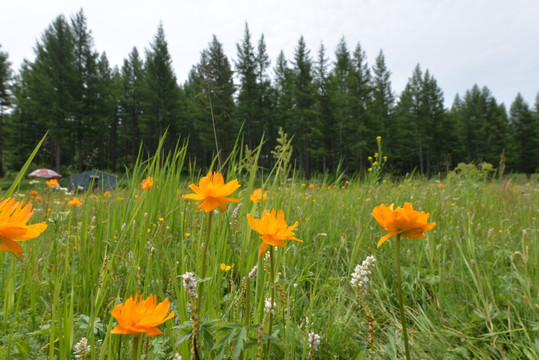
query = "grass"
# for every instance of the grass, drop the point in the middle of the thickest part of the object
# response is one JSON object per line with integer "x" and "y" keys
{"x": 470, "y": 286}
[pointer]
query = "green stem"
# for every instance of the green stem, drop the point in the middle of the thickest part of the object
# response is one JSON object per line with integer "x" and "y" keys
{"x": 204, "y": 261}
{"x": 136, "y": 342}
{"x": 399, "y": 295}
{"x": 272, "y": 298}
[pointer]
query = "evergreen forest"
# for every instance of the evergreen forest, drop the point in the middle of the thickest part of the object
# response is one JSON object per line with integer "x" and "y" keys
{"x": 332, "y": 107}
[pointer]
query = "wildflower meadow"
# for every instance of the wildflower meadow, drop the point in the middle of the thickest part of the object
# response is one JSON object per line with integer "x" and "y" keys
{"x": 240, "y": 262}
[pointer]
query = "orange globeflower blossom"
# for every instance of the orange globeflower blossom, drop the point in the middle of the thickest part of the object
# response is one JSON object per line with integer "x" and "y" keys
{"x": 147, "y": 183}
{"x": 13, "y": 228}
{"x": 403, "y": 221}
{"x": 274, "y": 230}
{"x": 141, "y": 316}
{"x": 75, "y": 201}
{"x": 52, "y": 183}
{"x": 33, "y": 192}
{"x": 258, "y": 196}
{"x": 212, "y": 192}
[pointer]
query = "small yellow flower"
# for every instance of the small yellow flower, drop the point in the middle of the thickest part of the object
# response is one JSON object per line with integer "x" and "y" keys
{"x": 385, "y": 158}
{"x": 369, "y": 169}
{"x": 378, "y": 138}
{"x": 187, "y": 234}
{"x": 375, "y": 155}
{"x": 225, "y": 267}
{"x": 161, "y": 219}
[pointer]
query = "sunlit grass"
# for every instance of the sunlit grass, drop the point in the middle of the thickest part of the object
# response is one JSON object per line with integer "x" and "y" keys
{"x": 470, "y": 286}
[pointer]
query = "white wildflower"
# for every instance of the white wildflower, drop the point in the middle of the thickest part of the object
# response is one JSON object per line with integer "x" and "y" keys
{"x": 82, "y": 348}
{"x": 270, "y": 306}
{"x": 253, "y": 272}
{"x": 189, "y": 283}
{"x": 314, "y": 341}
{"x": 360, "y": 276}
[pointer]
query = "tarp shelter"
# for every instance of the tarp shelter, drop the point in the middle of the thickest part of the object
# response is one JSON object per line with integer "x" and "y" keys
{"x": 98, "y": 180}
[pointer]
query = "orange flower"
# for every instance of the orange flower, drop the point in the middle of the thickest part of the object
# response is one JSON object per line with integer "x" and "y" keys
{"x": 13, "y": 228}
{"x": 52, "y": 183}
{"x": 33, "y": 192}
{"x": 274, "y": 230}
{"x": 212, "y": 192}
{"x": 141, "y": 316}
{"x": 147, "y": 183}
{"x": 258, "y": 196}
{"x": 38, "y": 198}
{"x": 404, "y": 221}
{"x": 75, "y": 201}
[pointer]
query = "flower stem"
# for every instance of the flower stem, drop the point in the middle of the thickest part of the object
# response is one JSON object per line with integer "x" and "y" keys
{"x": 272, "y": 298}
{"x": 136, "y": 342}
{"x": 204, "y": 260}
{"x": 399, "y": 295}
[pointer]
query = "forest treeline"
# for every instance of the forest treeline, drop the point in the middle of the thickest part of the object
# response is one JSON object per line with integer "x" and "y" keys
{"x": 333, "y": 110}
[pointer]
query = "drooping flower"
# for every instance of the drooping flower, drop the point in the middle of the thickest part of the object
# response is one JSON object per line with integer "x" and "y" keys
{"x": 137, "y": 316}
{"x": 75, "y": 202}
{"x": 273, "y": 230}
{"x": 404, "y": 221}
{"x": 212, "y": 192}
{"x": 13, "y": 218}
{"x": 258, "y": 196}
{"x": 147, "y": 183}
{"x": 52, "y": 183}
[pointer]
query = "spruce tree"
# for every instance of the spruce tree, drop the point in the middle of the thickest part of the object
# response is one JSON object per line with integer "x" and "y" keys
{"x": 161, "y": 95}
{"x": 526, "y": 132}
{"x": 5, "y": 99}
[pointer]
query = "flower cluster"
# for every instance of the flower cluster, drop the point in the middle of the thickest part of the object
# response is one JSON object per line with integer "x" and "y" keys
{"x": 82, "y": 349}
{"x": 314, "y": 341}
{"x": 360, "y": 276}
{"x": 147, "y": 183}
{"x": 190, "y": 284}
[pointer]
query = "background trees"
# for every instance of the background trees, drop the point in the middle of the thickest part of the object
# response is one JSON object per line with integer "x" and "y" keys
{"x": 333, "y": 108}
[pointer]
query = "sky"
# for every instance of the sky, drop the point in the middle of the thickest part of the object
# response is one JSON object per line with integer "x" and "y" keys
{"x": 490, "y": 43}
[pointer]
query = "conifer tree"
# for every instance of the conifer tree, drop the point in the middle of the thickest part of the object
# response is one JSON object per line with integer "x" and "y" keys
{"x": 526, "y": 131}
{"x": 161, "y": 95}
{"x": 326, "y": 149}
{"x": 381, "y": 108}
{"x": 5, "y": 99}
{"x": 132, "y": 89}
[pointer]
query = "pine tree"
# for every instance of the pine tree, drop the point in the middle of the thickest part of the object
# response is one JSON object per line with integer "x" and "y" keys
{"x": 306, "y": 127}
{"x": 84, "y": 93}
{"x": 246, "y": 69}
{"x": 381, "y": 108}
{"x": 325, "y": 150}
{"x": 5, "y": 99}
{"x": 161, "y": 95}
{"x": 361, "y": 92}
{"x": 526, "y": 131}
{"x": 52, "y": 84}
{"x": 132, "y": 76}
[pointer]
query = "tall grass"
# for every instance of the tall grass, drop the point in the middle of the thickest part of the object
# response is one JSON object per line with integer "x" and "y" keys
{"x": 470, "y": 287}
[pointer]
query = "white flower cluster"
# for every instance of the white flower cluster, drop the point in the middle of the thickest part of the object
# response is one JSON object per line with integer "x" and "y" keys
{"x": 82, "y": 348}
{"x": 314, "y": 341}
{"x": 360, "y": 276}
{"x": 190, "y": 285}
{"x": 252, "y": 273}
{"x": 177, "y": 357}
{"x": 269, "y": 307}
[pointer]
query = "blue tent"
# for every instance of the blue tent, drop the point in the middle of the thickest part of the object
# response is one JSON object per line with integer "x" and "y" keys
{"x": 95, "y": 179}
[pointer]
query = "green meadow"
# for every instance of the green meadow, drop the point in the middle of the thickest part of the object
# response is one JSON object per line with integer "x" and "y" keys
{"x": 470, "y": 287}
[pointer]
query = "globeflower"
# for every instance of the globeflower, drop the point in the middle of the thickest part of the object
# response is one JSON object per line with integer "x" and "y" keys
{"x": 403, "y": 221}
{"x": 258, "y": 196}
{"x": 52, "y": 183}
{"x": 13, "y": 218}
{"x": 137, "y": 316}
{"x": 75, "y": 202}
{"x": 147, "y": 183}
{"x": 212, "y": 192}
{"x": 274, "y": 230}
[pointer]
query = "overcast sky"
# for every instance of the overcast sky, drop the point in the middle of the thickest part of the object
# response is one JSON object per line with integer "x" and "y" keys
{"x": 491, "y": 43}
